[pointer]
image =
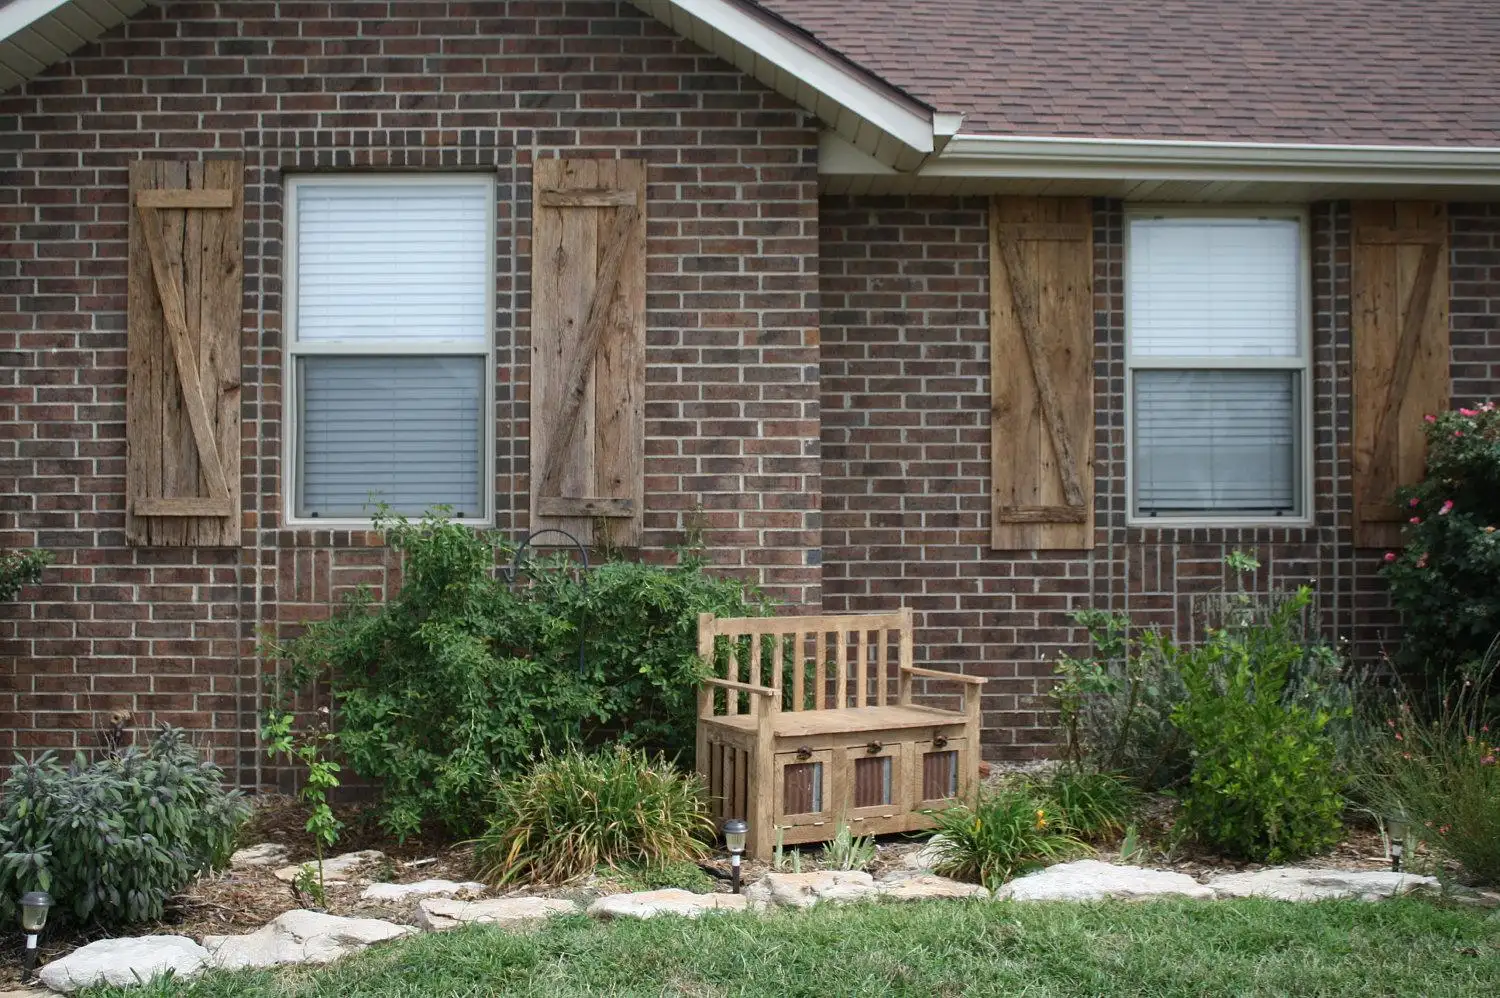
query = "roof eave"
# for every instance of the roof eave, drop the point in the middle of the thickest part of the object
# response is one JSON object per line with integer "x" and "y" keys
{"x": 875, "y": 117}
{"x": 36, "y": 34}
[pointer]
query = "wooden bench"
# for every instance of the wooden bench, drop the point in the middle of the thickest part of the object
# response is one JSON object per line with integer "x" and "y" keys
{"x": 813, "y": 724}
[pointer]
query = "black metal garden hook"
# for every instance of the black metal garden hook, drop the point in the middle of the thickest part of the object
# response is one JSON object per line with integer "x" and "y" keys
{"x": 514, "y": 575}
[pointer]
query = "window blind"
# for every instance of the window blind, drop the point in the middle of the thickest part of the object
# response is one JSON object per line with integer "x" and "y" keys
{"x": 407, "y": 261}
{"x": 1219, "y": 442}
{"x": 1214, "y": 287}
{"x": 408, "y": 430}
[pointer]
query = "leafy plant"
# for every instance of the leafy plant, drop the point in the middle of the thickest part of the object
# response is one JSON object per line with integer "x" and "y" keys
{"x": 1094, "y": 805}
{"x": 1446, "y": 580}
{"x": 307, "y": 883}
{"x": 686, "y": 876}
{"x": 1115, "y": 705}
{"x": 112, "y": 840}
{"x": 1438, "y": 769}
{"x": 847, "y": 851}
{"x": 1004, "y": 833}
{"x": 1264, "y": 783}
{"x": 309, "y": 748}
{"x": 20, "y": 568}
{"x": 572, "y": 812}
{"x": 461, "y": 674}
{"x": 1132, "y": 851}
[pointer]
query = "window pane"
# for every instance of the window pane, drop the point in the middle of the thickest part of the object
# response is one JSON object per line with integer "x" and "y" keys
{"x": 1214, "y": 287}
{"x": 405, "y": 261}
{"x": 408, "y": 429}
{"x": 1222, "y": 443}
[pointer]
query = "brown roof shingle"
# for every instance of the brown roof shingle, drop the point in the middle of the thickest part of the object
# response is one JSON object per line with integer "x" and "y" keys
{"x": 1418, "y": 72}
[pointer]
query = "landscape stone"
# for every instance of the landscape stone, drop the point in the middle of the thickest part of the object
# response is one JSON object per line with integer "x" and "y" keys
{"x": 928, "y": 887}
{"x": 925, "y": 858}
{"x": 336, "y": 869}
{"x": 669, "y": 901}
{"x": 300, "y": 936}
{"x": 420, "y": 889}
{"x": 264, "y": 854}
{"x": 125, "y": 961}
{"x": 1091, "y": 880}
{"x": 802, "y": 890}
{"x": 516, "y": 914}
{"x": 1289, "y": 883}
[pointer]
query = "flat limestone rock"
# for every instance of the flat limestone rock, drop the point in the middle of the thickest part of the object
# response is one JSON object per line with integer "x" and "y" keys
{"x": 1290, "y": 883}
{"x": 1091, "y": 880}
{"x": 514, "y": 914}
{"x": 336, "y": 869}
{"x": 928, "y": 887}
{"x": 669, "y": 901}
{"x": 420, "y": 889}
{"x": 300, "y": 937}
{"x": 925, "y": 858}
{"x": 802, "y": 890}
{"x": 264, "y": 854}
{"x": 125, "y": 961}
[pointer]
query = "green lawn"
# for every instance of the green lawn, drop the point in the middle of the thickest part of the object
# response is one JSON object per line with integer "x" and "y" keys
{"x": 1231, "y": 948}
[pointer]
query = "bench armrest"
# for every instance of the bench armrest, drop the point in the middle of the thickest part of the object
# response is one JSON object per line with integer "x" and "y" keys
{"x": 956, "y": 677}
{"x": 730, "y": 684}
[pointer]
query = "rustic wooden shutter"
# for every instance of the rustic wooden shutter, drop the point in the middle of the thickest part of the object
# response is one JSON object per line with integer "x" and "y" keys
{"x": 588, "y": 354}
{"x": 1041, "y": 373}
{"x": 182, "y": 402}
{"x": 1399, "y": 272}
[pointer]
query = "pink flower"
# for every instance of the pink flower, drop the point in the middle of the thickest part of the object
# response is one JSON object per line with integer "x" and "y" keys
{"x": 1488, "y": 760}
{"x": 1458, "y": 433}
{"x": 1487, "y": 407}
{"x": 1484, "y": 728}
{"x": 1447, "y": 507}
{"x": 1443, "y": 830}
{"x": 1422, "y": 561}
{"x": 1390, "y": 722}
{"x": 1468, "y": 412}
{"x": 1430, "y": 418}
{"x": 1415, "y": 519}
{"x": 1414, "y": 502}
{"x": 1399, "y": 738}
{"x": 1390, "y": 556}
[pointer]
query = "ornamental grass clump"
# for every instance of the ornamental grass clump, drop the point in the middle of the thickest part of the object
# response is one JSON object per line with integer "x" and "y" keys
{"x": 1096, "y": 806}
{"x": 573, "y": 811}
{"x": 1439, "y": 769}
{"x": 1003, "y": 834}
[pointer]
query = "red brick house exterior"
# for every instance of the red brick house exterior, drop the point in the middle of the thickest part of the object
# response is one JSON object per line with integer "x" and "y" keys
{"x": 818, "y": 297}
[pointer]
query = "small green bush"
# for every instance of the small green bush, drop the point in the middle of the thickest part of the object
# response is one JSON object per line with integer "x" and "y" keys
{"x": 847, "y": 851}
{"x": 1446, "y": 580}
{"x": 461, "y": 674}
{"x": 20, "y": 568}
{"x": 683, "y": 875}
{"x": 1094, "y": 805}
{"x": 572, "y": 812}
{"x": 1005, "y": 833}
{"x": 1265, "y": 783}
{"x": 1438, "y": 769}
{"x": 114, "y": 839}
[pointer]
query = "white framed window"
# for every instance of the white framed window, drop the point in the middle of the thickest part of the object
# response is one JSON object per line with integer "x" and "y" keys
{"x": 1217, "y": 322}
{"x": 389, "y": 315}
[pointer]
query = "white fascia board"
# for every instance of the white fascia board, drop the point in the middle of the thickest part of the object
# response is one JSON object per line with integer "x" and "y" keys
{"x": 881, "y": 106}
{"x": 1146, "y": 159}
{"x": 36, "y": 34}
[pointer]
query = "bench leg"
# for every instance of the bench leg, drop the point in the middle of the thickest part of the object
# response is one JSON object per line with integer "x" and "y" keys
{"x": 761, "y": 789}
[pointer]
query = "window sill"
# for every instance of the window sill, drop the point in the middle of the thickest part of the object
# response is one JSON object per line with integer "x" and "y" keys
{"x": 368, "y": 523}
{"x": 1208, "y": 523}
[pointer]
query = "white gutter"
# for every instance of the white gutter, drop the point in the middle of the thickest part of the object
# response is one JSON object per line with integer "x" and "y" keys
{"x": 1170, "y": 159}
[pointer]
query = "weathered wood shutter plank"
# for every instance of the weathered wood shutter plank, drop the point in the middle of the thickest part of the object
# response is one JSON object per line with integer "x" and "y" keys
{"x": 1041, "y": 373}
{"x": 183, "y": 382}
{"x": 589, "y": 348}
{"x": 1399, "y": 272}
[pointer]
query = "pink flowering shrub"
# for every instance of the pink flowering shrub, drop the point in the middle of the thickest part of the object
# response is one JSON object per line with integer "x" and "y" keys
{"x": 1446, "y": 580}
{"x": 1437, "y": 767}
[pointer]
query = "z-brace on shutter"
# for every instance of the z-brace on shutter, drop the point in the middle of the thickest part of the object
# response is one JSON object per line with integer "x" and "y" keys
{"x": 588, "y": 348}
{"x": 1399, "y": 271}
{"x": 1041, "y": 373}
{"x": 182, "y": 401}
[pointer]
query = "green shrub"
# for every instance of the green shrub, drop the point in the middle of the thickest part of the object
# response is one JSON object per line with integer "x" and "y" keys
{"x": 20, "y": 568}
{"x": 572, "y": 812}
{"x": 113, "y": 840}
{"x": 1265, "y": 783}
{"x": 461, "y": 674}
{"x": 1115, "y": 705}
{"x": 847, "y": 851}
{"x": 1005, "y": 833}
{"x": 1439, "y": 770}
{"x": 1094, "y": 805}
{"x": 683, "y": 875}
{"x": 1446, "y": 580}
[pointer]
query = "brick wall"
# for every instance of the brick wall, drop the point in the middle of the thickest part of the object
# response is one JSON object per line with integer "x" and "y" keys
{"x": 732, "y": 402}
{"x": 906, "y": 464}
